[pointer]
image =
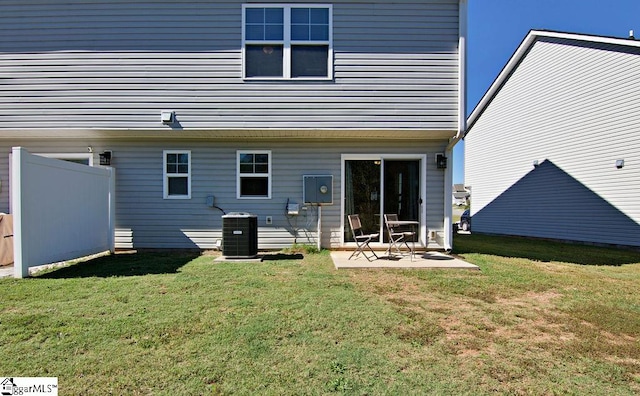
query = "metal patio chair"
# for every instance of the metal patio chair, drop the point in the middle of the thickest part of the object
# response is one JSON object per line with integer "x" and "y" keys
{"x": 398, "y": 236}
{"x": 362, "y": 239}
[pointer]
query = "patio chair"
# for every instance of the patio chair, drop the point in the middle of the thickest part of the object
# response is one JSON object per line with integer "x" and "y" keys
{"x": 362, "y": 239}
{"x": 398, "y": 236}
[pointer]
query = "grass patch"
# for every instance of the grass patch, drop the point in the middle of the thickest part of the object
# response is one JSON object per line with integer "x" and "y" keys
{"x": 159, "y": 323}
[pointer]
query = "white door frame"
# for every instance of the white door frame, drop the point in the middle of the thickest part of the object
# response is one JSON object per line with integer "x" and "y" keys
{"x": 381, "y": 157}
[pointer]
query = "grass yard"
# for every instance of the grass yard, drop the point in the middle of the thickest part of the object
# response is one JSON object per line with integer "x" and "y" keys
{"x": 539, "y": 318}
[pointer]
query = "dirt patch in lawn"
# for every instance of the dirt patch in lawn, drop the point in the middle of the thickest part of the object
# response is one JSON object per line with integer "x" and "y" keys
{"x": 468, "y": 326}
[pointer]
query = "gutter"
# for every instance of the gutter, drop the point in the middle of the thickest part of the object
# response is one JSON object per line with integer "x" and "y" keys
{"x": 462, "y": 76}
{"x": 462, "y": 122}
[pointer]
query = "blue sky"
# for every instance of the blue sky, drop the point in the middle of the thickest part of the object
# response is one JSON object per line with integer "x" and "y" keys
{"x": 496, "y": 28}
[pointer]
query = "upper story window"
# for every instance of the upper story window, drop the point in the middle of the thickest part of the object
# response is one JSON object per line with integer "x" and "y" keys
{"x": 177, "y": 174}
{"x": 254, "y": 174}
{"x": 287, "y": 41}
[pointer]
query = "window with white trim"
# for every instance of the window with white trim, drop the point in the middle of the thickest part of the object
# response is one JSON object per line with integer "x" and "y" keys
{"x": 292, "y": 41}
{"x": 254, "y": 174}
{"x": 177, "y": 174}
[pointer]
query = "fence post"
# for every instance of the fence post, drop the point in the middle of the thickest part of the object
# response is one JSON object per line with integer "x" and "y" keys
{"x": 112, "y": 209}
{"x": 20, "y": 244}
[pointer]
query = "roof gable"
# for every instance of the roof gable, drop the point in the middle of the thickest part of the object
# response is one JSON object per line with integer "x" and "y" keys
{"x": 605, "y": 42}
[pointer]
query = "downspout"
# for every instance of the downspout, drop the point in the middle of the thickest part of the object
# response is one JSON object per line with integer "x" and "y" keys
{"x": 462, "y": 122}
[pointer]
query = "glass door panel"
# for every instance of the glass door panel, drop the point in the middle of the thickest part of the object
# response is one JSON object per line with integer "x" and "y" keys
{"x": 362, "y": 195}
{"x": 402, "y": 189}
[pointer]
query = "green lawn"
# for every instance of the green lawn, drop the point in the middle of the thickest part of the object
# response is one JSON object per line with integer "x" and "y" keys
{"x": 539, "y": 318}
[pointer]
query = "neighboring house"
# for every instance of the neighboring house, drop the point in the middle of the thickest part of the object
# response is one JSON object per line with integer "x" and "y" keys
{"x": 204, "y": 106}
{"x": 460, "y": 195}
{"x": 553, "y": 148}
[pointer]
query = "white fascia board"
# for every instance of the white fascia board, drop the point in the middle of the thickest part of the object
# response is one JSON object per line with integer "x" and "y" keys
{"x": 585, "y": 37}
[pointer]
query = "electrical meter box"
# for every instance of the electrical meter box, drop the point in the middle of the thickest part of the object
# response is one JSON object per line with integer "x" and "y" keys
{"x": 318, "y": 189}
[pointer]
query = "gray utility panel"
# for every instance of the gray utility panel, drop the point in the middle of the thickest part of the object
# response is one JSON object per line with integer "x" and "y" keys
{"x": 318, "y": 189}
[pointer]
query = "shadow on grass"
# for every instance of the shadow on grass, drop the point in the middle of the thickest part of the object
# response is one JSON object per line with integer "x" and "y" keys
{"x": 125, "y": 264}
{"x": 543, "y": 250}
{"x": 282, "y": 256}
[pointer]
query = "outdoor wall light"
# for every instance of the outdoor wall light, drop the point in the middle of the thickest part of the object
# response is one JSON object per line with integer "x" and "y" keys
{"x": 166, "y": 116}
{"x": 620, "y": 164}
{"x": 105, "y": 158}
{"x": 535, "y": 163}
{"x": 441, "y": 161}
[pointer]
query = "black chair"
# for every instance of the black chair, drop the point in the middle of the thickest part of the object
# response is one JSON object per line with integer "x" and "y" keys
{"x": 362, "y": 239}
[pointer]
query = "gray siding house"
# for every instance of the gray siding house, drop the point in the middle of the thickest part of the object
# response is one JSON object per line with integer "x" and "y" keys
{"x": 553, "y": 148}
{"x": 210, "y": 106}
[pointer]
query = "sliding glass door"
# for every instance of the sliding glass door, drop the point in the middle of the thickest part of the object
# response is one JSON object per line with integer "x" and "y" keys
{"x": 381, "y": 185}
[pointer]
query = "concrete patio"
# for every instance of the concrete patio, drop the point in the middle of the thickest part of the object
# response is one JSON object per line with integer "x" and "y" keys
{"x": 427, "y": 260}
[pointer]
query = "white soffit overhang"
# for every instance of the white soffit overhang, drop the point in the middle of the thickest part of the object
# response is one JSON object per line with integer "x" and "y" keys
{"x": 227, "y": 134}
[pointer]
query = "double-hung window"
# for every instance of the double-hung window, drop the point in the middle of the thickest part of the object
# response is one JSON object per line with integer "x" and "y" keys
{"x": 287, "y": 41}
{"x": 254, "y": 174}
{"x": 177, "y": 174}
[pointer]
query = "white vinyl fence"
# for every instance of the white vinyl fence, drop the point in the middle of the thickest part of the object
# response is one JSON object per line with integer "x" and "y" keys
{"x": 61, "y": 210}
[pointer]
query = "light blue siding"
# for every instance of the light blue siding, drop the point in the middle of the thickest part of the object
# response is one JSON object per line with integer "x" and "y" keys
{"x": 98, "y": 73}
{"x": 117, "y": 64}
{"x": 145, "y": 220}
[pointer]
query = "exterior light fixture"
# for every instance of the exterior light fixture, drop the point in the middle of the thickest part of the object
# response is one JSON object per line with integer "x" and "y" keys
{"x": 620, "y": 163}
{"x": 105, "y": 158}
{"x": 167, "y": 116}
{"x": 441, "y": 161}
{"x": 535, "y": 163}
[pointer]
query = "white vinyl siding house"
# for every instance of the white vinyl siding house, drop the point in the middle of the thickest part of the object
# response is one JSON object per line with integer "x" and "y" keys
{"x": 542, "y": 147}
{"x": 78, "y": 74}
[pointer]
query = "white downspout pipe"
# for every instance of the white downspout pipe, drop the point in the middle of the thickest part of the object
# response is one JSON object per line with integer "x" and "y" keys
{"x": 462, "y": 122}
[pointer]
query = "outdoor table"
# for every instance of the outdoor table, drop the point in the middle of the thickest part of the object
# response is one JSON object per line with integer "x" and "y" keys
{"x": 399, "y": 223}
